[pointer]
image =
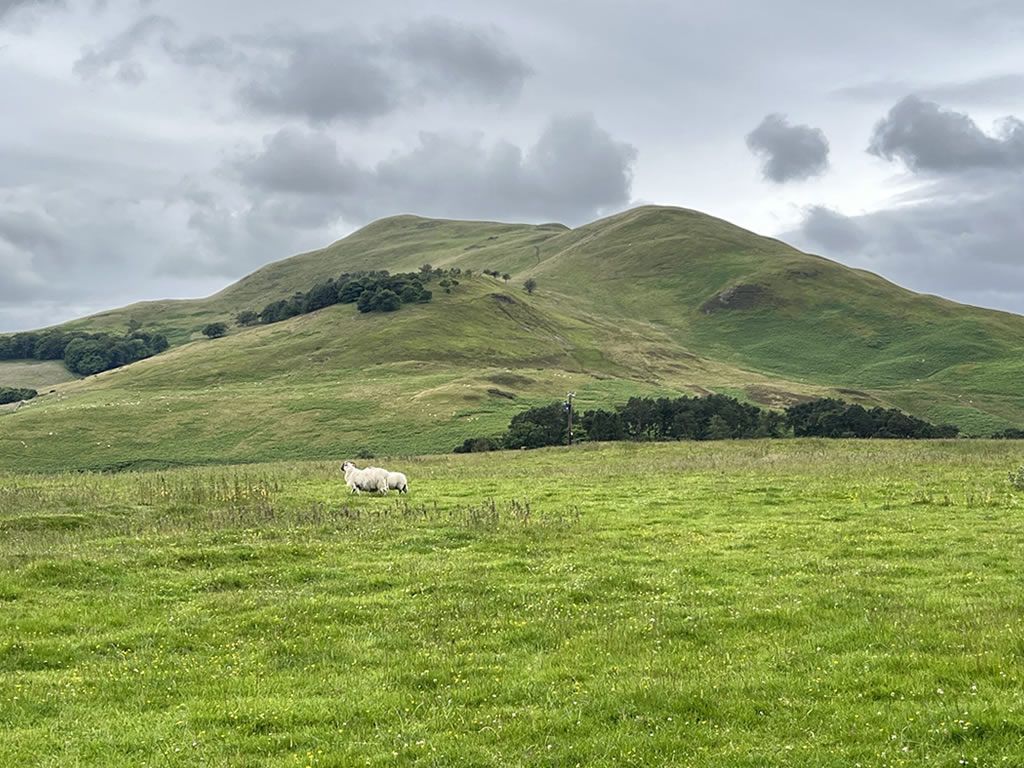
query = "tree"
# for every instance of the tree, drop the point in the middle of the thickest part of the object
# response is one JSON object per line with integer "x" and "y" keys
{"x": 367, "y": 301}
{"x": 15, "y": 395}
{"x": 410, "y": 294}
{"x": 538, "y": 427}
{"x": 247, "y": 317}
{"x": 603, "y": 425}
{"x": 718, "y": 428}
{"x": 530, "y": 285}
{"x": 506, "y": 277}
{"x": 86, "y": 356}
{"x": 388, "y": 301}
{"x": 215, "y": 330}
{"x": 320, "y": 295}
{"x": 426, "y": 269}
{"x": 50, "y": 345}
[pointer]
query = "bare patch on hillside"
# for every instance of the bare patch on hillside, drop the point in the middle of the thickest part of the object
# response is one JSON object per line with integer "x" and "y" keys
{"x": 495, "y": 392}
{"x": 802, "y": 273}
{"x": 502, "y": 298}
{"x": 853, "y": 392}
{"x": 510, "y": 380}
{"x": 776, "y": 398}
{"x": 744, "y": 296}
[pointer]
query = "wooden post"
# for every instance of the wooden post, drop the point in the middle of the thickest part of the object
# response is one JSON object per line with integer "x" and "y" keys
{"x": 568, "y": 407}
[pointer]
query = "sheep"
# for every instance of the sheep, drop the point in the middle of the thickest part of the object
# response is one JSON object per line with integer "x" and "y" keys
{"x": 398, "y": 482}
{"x": 367, "y": 479}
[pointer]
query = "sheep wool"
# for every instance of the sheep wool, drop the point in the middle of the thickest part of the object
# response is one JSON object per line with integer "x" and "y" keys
{"x": 367, "y": 479}
{"x": 398, "y": 482}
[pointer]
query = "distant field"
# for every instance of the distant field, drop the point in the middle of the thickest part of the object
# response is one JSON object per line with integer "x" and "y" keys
{"x": 764, "y": 603}
{"x": 34, "y": 374}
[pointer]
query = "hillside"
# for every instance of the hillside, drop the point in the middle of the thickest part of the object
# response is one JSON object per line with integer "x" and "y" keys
{"x": 650, "y": 300}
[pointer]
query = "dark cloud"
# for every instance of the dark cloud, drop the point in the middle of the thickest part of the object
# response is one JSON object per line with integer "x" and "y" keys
{"x": 574, "y": 172}
{"x": 927, "y": 137}
{"x": 788, "y": 152}
{"x": 117, "y": 56}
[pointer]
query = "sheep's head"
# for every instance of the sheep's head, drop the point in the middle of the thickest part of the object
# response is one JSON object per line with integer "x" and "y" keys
{"x": 347, "y": 466}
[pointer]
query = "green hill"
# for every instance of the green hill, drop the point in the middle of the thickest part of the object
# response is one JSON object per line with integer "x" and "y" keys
{"x": 652, "y": 300}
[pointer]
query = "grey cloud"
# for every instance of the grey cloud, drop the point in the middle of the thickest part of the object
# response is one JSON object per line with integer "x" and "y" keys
{"x": 320, "y": 78}
{"x": 118, "y": 54}
{"x": 993, "y": 89}
{"x": 574, "y": 172}
{"x": 449, "y": 56}
{"x": 344, "y": 76}
{"x": 9, "y": 7}
{"x": 788, "y": 152}
{"x": 205, "y": 52}
{"x": 961, "y": 236}
{"x": 833, "y": 232}
{"x": 299, "y": 162}
{"x": 927, "y": 137}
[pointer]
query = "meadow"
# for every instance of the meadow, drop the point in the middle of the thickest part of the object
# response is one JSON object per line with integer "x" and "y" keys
{"x": 757, "y": 603}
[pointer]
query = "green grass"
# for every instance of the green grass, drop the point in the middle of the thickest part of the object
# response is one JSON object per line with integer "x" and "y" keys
{"x": 729, "y": 604}
{"x": 34, "y": 374}
{"x": 621, "y": 310}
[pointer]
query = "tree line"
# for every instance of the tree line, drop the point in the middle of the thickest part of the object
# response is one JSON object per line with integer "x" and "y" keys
{"x": 83, "y": 353}
{"x": 710, "y": 417}
{"x": 377, "y": 291}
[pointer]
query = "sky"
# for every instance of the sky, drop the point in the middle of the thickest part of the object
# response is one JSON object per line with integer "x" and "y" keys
{"x": 153, "y": 149}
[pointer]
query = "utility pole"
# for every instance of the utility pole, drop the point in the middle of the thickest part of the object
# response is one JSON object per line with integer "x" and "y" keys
{"x": 568, "y": 408}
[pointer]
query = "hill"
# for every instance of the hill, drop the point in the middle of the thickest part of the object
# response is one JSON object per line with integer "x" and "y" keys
{"x": 652, "y": 300}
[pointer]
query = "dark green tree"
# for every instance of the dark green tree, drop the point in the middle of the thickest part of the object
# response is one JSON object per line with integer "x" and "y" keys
{"x": 215, "y": 330}
{"x": 247, "y": 317}
{"x": 530, "y": 285}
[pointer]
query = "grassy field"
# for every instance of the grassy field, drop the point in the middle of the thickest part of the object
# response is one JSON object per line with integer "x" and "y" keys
{"x": 34, "y": 374}
{"x": 765, "y": 603}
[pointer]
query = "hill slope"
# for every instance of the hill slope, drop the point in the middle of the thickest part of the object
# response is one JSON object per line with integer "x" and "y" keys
{"x": 651, "y": 300}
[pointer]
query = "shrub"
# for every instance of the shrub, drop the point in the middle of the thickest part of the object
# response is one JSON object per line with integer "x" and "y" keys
{"x": 215, "y": 330}
{"x": 530, "y": 285}
{"x": 479, "y": 445}
{"x": 1017, "y": 478}
{"x": 15, "y": 395}
{"x": 247, "y": 317}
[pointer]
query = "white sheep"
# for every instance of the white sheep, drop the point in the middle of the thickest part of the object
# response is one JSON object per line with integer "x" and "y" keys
{"x": 367, "y": 479}
{"x": 398, "y": 482}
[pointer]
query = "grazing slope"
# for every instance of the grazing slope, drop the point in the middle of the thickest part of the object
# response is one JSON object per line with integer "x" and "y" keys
{"x": 651, "y": 300}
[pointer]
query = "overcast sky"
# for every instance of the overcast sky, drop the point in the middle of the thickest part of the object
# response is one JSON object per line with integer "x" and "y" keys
{"x": 153, "y": 149}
